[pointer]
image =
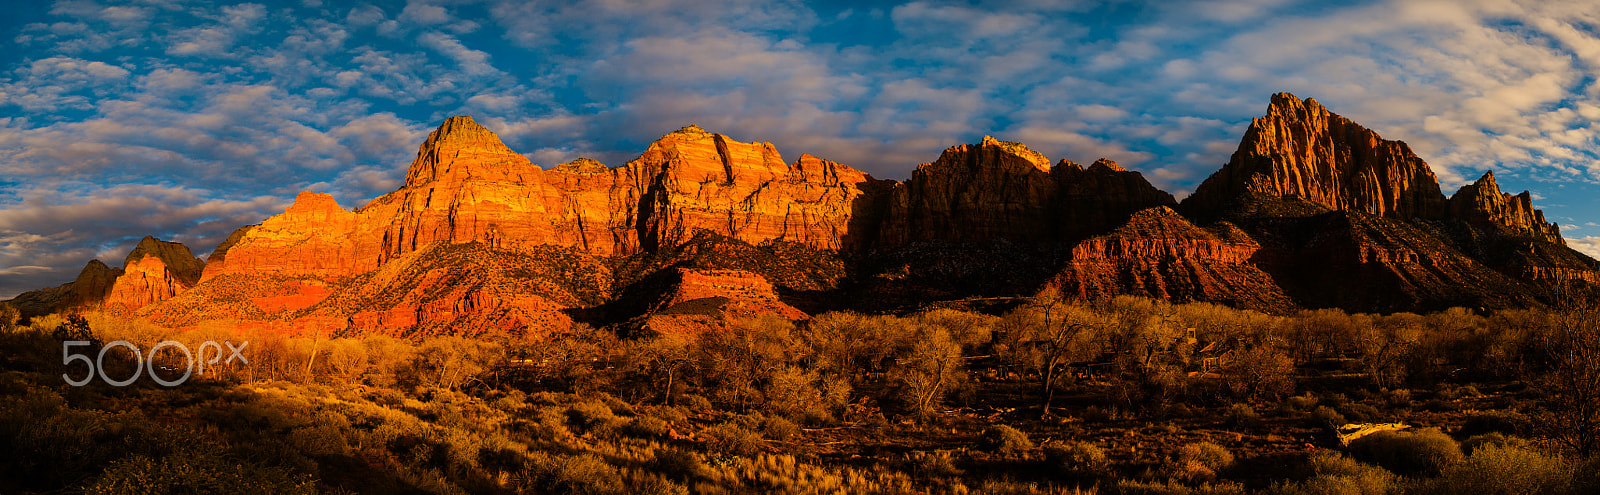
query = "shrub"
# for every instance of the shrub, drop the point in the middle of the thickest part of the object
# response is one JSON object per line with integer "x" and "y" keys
{"x": 1076, "y": 459}
{"x": 552, "y": 423}
{"x": 1200, "y": 461}
{"x": 195, "y": 473}
{"x": 1098, "y": 414}
{"x": 593, "y": 416}
{"x": 1495, "y": 469}
{"x": 730, "y": 439}
{"x": 1260, "y": 372}
{"x": 1586, "y": 476}
{"x": 1398, "y": 398}
{"x": 1326, "y": 416}
{"x": 646, "y": 427}
{"x": 1006, "y": 439}
{"x": 1424, "y": 452}
{"x": 587, "y": 473}
{"x": 1507, "y": 422}
{"x": 695, "y": 402}
{"x": 1475, "y": 442}
{"x": 1360, "y": 413}
{"x": 1241, "y": 415}
{"x": 934, "y": 464}
{"x": 669, "y": 414}
{"x": 1301, "y": 403}
{"x": 1130, "y": 487}
{"x": 777, "y": 428}
{"x": 677, "y": 464}
{"x": 1332, "y": 473}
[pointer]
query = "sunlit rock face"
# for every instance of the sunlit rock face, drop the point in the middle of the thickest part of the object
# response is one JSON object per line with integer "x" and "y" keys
{"x": 314, "y": 236}
{"x": 465, "y": 186}
{"x": 691, "y": 179}
{"x": 1160, "y": 254}
{"x": 700, "y": 229}
{"x": 1482, "y": 205}
{"x": 1359, "y": 222}
{"x": 155, "y": 271}
{"x": 1301, "y": 150}
{"x": 702, "y": 300}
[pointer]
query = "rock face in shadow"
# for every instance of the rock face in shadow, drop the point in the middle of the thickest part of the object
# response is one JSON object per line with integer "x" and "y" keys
{"x": 89, "y": 289}
{"x": 1096, "y": 200}
{"x": 991, "y": 190}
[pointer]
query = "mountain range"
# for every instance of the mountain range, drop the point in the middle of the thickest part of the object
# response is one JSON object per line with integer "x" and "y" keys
{"x": 1312, "y": 211}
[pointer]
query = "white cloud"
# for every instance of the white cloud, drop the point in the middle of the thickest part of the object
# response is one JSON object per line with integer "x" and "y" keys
{"x": 424, "y": 14}
{"x": 60, "y": 82}
{"x": 473, "y": 62}
{"x": 1589, "y": 245}
{"x": 217, "y": 39}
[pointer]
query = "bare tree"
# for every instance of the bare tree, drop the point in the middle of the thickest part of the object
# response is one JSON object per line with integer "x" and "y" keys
{"x": 1048, "y": 335}
{"x": 1573, "y": 381}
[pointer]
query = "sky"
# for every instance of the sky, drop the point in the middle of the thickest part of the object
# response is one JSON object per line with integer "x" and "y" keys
{"x": 186, "y": 120}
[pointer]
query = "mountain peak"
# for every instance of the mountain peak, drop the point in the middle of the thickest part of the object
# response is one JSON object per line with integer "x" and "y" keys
{"x": 1487, "y": 180}
{"x": 154, "y": 271}
{"x": 1483, "y": 205}
{"x": 582, "y": 166}
{"x": 171, "y": 252}
{"x": 1018, "y": 150}
{"x": 691, "y": 129}
{"x": 1106, "y": 165}
{"x": 1300, "y": 149}
{"x": 461, "y": 147}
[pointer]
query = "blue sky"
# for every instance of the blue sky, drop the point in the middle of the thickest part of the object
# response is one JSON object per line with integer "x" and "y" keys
{"x": 186, "y": 120}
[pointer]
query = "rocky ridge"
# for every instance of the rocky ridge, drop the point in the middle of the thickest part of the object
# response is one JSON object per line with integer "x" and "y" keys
{"x": 1313, "y": 210}
{"x": 1302, "y": 150}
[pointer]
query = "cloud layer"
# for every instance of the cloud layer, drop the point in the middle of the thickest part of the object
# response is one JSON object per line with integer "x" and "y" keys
{"x": 186, "y": 121}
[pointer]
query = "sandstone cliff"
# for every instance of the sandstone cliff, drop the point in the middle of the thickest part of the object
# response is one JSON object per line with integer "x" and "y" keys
{"x": 692, "y": 179}
{"x": 991, "y": 190}
{"x": 465, "y": 186}
{"x": 1101, "y": 198}
{"x": 1366, "y": 263}
{"x": 1312, "y": 210}
{"x": 1482, "y": 205}
{"x": 154, "y": 271}
{"x": 702, "y": 300}
{"x": 1301, "y": 150}
{"x": 314, "y": 236}
{"x": 87, "y": 290}
{"x": 1159, "y": 254}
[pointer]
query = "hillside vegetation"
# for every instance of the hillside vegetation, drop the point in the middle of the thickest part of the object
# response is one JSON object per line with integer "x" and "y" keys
{"x": 1125, "y": 395}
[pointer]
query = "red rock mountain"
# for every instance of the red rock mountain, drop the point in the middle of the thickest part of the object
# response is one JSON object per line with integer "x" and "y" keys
{"x": 1160, "y": 254}
{"x": 1301, "y": 150}
{"x": 153, "y": 272}
{"x": 1482, "y": 205}
{"x": 1004, "y": 190}
{"x": 1313, "y": 210}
